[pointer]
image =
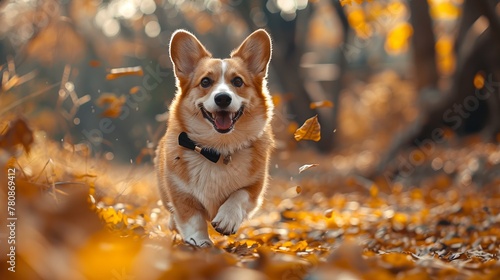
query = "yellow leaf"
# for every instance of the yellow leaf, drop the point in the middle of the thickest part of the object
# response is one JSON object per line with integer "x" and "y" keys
{"x": 299, "y": 246}
{"x": 398, "y": 38}
{"x": 321, "y": 104}
{"x": 345, "y": 2}
{"x": 306, "y": 166}
{"x": 310, "y": 130}
{"x": 127, "y": 71}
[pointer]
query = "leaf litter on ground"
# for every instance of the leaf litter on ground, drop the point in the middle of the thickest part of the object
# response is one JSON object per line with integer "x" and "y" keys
{"x": 105, "y": 223}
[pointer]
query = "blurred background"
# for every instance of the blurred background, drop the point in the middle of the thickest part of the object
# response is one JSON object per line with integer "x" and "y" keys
{"x": 407, "y": 94}
{"x": 383, "y": 65}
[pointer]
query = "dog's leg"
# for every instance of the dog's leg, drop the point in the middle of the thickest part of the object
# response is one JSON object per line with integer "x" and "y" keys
{"x": 238, "y": 206}
{"x": 190, "y": 220}
{"x": 194, "y": 230}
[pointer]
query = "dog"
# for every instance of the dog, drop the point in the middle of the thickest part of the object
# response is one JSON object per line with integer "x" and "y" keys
{"x": 212, "y": 163}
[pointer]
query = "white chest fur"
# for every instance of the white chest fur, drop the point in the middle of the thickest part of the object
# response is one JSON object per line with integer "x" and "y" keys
{"x": 212, "y": 183}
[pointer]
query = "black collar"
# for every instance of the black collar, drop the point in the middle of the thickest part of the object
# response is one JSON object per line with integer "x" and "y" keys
{"x": 211, "y": 154}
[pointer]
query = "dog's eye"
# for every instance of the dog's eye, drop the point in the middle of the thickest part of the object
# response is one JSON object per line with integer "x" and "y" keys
{"x": 237, "y": 82}
{"x": 205, "y": 82}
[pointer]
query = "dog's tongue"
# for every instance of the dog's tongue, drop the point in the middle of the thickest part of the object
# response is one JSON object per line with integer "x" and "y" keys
{"x": 223, "y": 120}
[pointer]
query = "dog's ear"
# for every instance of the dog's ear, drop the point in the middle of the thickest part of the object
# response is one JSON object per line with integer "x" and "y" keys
{"x": 255, "y": 52}
{"x": 185, "y": 52}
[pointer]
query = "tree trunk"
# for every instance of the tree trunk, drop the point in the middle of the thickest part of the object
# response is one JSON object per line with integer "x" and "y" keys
{"x": 424, "y": 55}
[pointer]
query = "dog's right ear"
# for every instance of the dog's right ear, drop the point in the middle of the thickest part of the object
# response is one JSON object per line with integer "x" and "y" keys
{"x": 185, "y": 52}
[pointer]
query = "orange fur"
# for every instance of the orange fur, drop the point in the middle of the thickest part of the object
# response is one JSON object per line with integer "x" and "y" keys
{"x": 193, "y": 188}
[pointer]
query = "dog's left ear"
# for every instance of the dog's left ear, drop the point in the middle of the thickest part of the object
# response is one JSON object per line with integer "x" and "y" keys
{"x": 255, "y": 51}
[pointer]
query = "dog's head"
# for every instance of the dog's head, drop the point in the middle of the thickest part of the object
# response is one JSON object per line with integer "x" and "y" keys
{"x": 220, "y": 101}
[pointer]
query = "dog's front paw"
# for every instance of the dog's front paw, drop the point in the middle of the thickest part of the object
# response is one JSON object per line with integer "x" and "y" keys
{"x": 228, "y": 219}
{"x": 198, "y": 240}
{"x": 199, "y": 243}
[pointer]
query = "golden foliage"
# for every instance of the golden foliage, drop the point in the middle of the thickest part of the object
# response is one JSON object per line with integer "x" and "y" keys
{"x": 349, "y": 2}
{"x": 479, "y": 80}
{"x": 58, "y": 41}
{"x": 398, "y": 38}
{"x": 439, "y": 230}
{"x": 310, "y": 130}
{"x": 445, "y": 55}
{"x": 444, "y": 10}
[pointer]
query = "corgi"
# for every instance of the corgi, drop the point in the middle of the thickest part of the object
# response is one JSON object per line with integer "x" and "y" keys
{"x": 212, "y": 163}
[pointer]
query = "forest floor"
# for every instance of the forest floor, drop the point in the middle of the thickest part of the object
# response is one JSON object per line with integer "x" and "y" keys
{"x": 81, "y": 218}
{"x": 436, "y": 215}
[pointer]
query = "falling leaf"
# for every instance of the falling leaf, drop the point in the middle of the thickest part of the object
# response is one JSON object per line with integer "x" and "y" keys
{"x": 114, "y": 105}
{"x": 17, "y": 132}
{"x": 310, "y": 130}
{"x": 306, "y": 166}
{"x": 127, "y": 71}
{"x": 479, "y": 80}
{"x": 276, "y": 100}
{"x": 134, "y": 90}
{"x": 321, "y": 104}
{"x": 94, "y": 63}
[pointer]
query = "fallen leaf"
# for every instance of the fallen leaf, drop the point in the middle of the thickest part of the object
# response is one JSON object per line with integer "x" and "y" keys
{"x": 306, "y": 166}
{"x": 310, "y": 130}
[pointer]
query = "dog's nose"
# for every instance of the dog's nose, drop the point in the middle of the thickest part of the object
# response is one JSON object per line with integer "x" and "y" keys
{"x": 222, "y": 99}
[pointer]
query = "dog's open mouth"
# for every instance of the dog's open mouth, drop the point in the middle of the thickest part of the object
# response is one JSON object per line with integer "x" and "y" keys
{"x": 223, "y": 121}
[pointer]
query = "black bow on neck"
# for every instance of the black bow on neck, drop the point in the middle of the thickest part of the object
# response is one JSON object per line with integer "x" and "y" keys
{"x": 210, "y": 154}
